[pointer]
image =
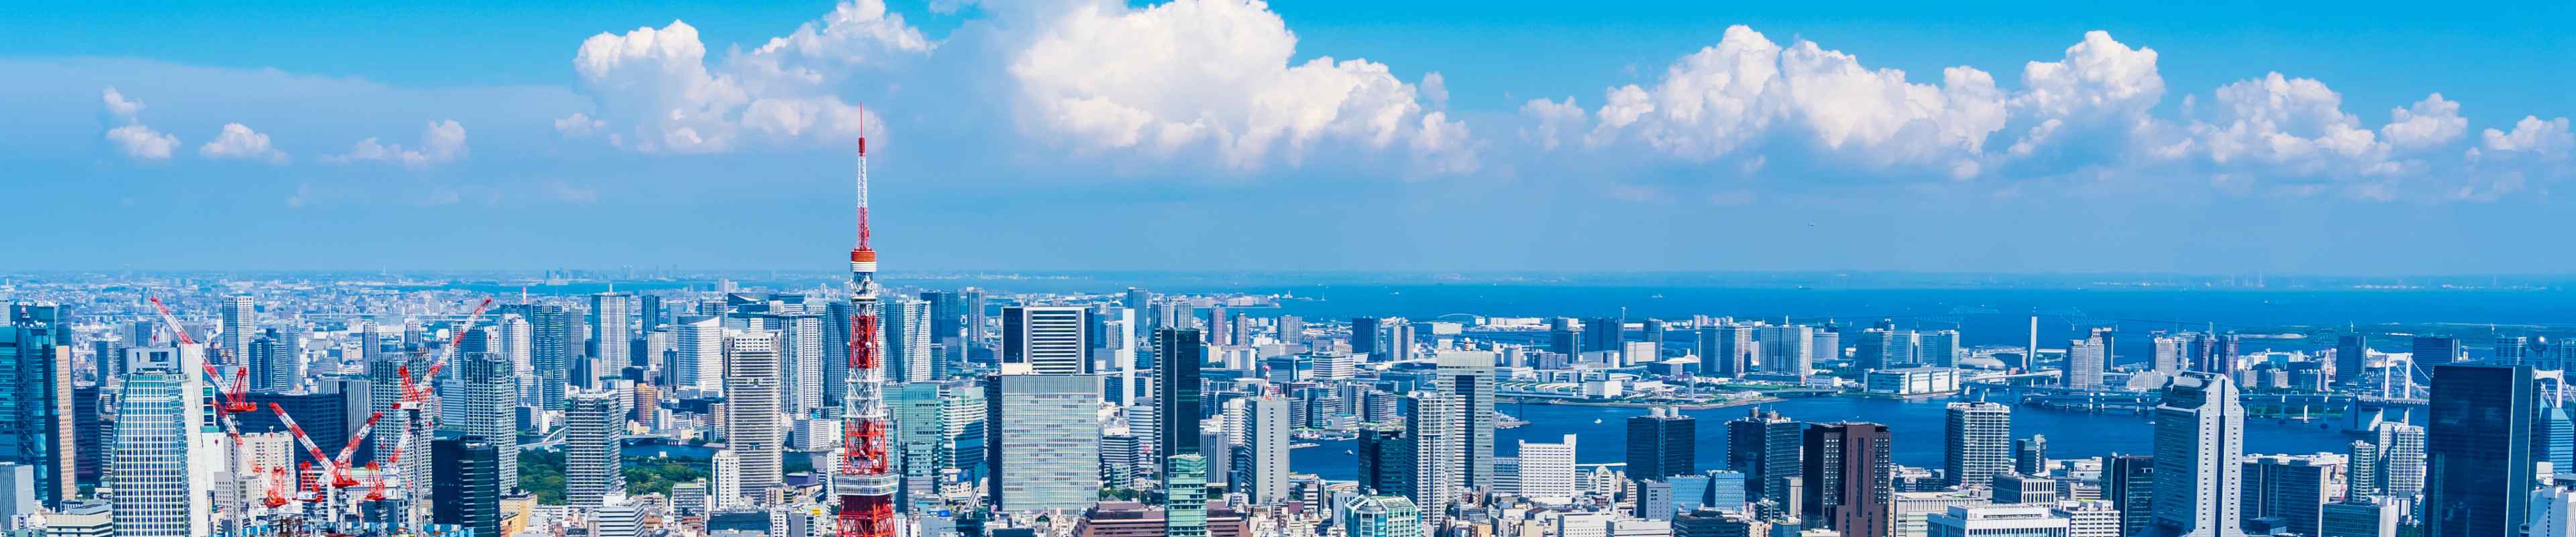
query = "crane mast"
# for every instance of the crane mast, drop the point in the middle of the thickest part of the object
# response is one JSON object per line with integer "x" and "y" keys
{"x": 863, "y": 483}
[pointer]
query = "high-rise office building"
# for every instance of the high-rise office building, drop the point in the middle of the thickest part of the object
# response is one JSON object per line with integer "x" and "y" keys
{"x": 2352, "y": 355}
{"x": 466, "y": 491}
{"x": 1185, "y": 502}
{"x": 275, "y": 360}
{"x": 1564, "y": 337}
{"x": 484, "y": 400}
{"x": 754, "y": 424}
{"x": 1367, "y": 334}
{"x": 2172, "y": 353}
{"x": 1765, "y": 447}
{"x": 36, "y": 377}
{"x": 1602, "y": 333}
{"x": 2478, "y": 450}
{"x": 1470, "y": 375}
{"x": 1381, "y": 516}
{"x": 612, "y": 328}
{"x": 1179, "y": 357}
{"x": 594, "y": 424}
{"x": 700, "y": 353}
{"x": 1547, "y": 471}
{"x": 157, "y": 416}
{"x": 2401, "y": 460}
{"x": 2292, "y": 488}
{"x": 2030, "y": 455}
{"x": 908, "y": 341}
{"x": 1662, "y": 443}
{"x": 801, "y": 362}
{"x": 1976, "y": 443}
{"x": 2129, "y": 483}
{"x": 1044, "y": 446}
{"x": 1845, "y": 477}
{"x": 555, "y": 343}
{"x": 918, "y": 452}
{"x": 1261, "y": 459}
{"x": 724, "y": 478}
{"x": 1788, "y": 350}
{"x": 240, "y": 323}
{"x": 2199, "y": 439}
{"x": 1046, "y": 340}
{"x": 2435, "y": 350}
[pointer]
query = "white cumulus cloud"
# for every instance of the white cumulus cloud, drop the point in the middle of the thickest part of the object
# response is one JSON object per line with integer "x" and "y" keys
{"x": 142, "y": 143}
{"x": 118, "y": 106}
{"x": 1215, "y": 75}
{"x": 656, "y": 91}
{"x": 239, "y": 142}
{"x": 2429, "y": 123}
{"x": 441, "y": 142}
{"x": 2550, "y": 139}
{"x": 2293, "y": 126}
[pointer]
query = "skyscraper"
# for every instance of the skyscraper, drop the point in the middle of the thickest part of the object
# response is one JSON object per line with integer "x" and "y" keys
{"x": 2478, "y": 450}
{"x": 1382, "y": 516}
{"x": 908, "y": 340}
{"x": 1846, "y": 477}
{"x": 2352, "y": 352}
{"x": 555, "y": 342}
{"x": 2294, "y": 489}
{"x": 2199, "y": 439}
{"x": 1662, "y": 443}
{"x": 467, "y": 488}
{"x": 1044, "y": 448}
{"x": 240, "y": 318}
{"x": 1563, "y": 337}
{"x": 1977, "y": 443}
{"x": 1788, "y": 350}
{"x": 2030, "y": 455}
{"x": 1765, "y": 447}
{"x": 36, "y": 429}
{"x": 2085, "y": 359}
{"x": 700, "y": 353}
{"x": 1435, "y": 423}
{"x": 754, "y": 426}
{"x": 2401, "y": 465}
{"x": 919, "y": 454}
{"x": 801, "y": 362}
{"x": 484, "y": 400}
{"x": 2172, "y": 352}
{"x": 1602, "y": 334}
{"x": 1470, "y": 375}
{"x": 274, "y": 359}
{"x": 1045, "y": 340}
{"x": 1177, "y": 386}
{"x": 1365, "y": 335}
{"x": 1185, "y": 495}
{"x": 156, "y": 411}
{"x": 594, "y": 423}
{"x": 1722, "y": 349}
{"x": 612, "y": 327}
{"x": 2129, "y": 483}
{"x": 1261, "y": 460}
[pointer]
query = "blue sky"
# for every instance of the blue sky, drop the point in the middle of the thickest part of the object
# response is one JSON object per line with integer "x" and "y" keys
{"x": 2210, "y": 137}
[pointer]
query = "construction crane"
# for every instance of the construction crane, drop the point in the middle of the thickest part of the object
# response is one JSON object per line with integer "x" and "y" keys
{"x": 865, "y": 488}
{"x": 329, "y": 472}
{"x": 230, "y": 399}
{"x": 415, "y": 399}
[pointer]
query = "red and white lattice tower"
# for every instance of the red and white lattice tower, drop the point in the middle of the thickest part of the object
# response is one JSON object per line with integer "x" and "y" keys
{"x": 864, "y": 482}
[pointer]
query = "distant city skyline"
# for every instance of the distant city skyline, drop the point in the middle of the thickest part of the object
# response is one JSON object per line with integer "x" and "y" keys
{"x": 2308, "y": 137}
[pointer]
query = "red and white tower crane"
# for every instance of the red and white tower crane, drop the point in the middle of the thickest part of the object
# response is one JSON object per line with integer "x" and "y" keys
{"x": 863, "y": 482}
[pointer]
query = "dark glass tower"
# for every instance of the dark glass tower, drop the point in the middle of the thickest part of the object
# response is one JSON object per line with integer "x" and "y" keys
{"x": 465, "y": 489}
{"x": 1765, "y": 448}
{"x": 1662, "y": 443}
{"x": 2478, "y": 450}
{"x": 1364, "y": 336}
{"x": 2129, "y": 483}
{"x": 1176, "y": 400}
{"x": 35, "y": 378}
{"x": 2351, "y": 352}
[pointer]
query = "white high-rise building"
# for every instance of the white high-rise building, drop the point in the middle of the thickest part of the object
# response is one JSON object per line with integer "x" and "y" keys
{"x": 1787, "y": 350}
{"x": 753, "y": 425}
{"x": 1977, "y": 443}
{"x": 515, "y": 343}
{"x": 612, "y": 325}
{"x": 595, "y": 421}
{"x": 481, "y": 405}
{"x": 157, "y": 420}
{"x": 1436, "y": 422}
{"x": 724, "y": 479}
{"x": 906, "y": 356}
{"x": 800, "y": 358}
{"x": 2084, "y": 363}
{"x": 1261, "y": 459}
{"x": 2401, "y": 459}
{"x": 240, "y": 318}
{"x": 701, "y": 353}
{"x": 1547, "y": 471}
{"x": 1046, "y": 340}
{"x": 2171, "y": 352}
{"x": 2199, "y": 446}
